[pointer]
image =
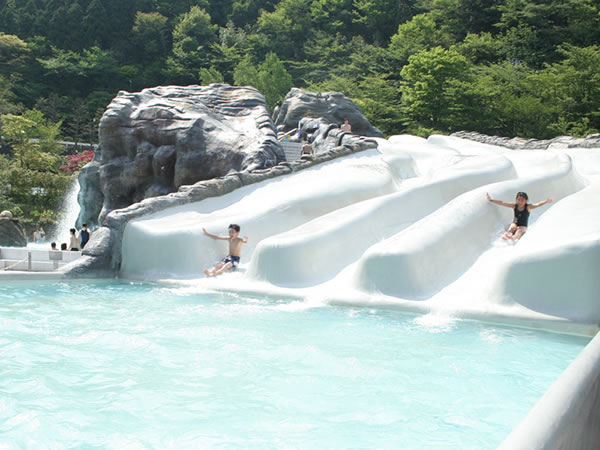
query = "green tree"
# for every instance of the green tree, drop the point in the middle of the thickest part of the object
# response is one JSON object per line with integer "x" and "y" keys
{"x": 461, "y": 17}
{"x": 480, "y": 48}
{"x": 379, "y": 19}
{"x": 6, "y": 202}
{"x": 7, "y": 97}
{"x": 536, "y": 28}
{"x": 150, "y": 36}
{"x": 13, "y": 51}
{"x": 245, "y": 12}
{"x": 418, "y": 34}
{"x": 332, "y": 16}
{"x": 194, "y": 39}
{"x": 575, "y": 86}
{"x": 379, "y": 101}
{"x": 270, "y": 78}
{"x": 210, "y": 75}
{"x": 275, "y": 81}
{"x": 432, "y": 82}
{"x": 511, "y": 97}
{"x": 287, "y": 27}
{"x": 81, "y": 71}
{"x": 35, "y": 183}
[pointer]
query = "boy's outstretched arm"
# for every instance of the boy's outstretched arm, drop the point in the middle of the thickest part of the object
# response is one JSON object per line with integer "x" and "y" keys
{"x": 214, "y": 236}
{"x": 245, "y": 240}
{"x": 499, "y": 202}
{"x": 542, "y": 203}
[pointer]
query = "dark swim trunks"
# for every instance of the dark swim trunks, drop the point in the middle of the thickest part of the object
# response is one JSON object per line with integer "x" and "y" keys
{"x": 234, "y": 260}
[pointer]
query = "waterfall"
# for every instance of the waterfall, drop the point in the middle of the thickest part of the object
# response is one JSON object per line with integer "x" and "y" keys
{"x": 69, "y": 211}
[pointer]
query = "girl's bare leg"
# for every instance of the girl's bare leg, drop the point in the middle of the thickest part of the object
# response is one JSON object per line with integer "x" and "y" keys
{"x": 519, "y": 233}
{"x": 510, "y": 233}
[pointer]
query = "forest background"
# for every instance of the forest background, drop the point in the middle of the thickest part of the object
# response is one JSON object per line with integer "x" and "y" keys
{"x": 500, "y": 67}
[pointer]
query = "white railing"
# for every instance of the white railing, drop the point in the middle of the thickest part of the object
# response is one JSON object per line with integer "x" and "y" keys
{"x": 29, "y": 260}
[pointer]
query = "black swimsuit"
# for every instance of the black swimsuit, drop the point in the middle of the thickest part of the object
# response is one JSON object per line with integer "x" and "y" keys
{"x": 521, "y": 217}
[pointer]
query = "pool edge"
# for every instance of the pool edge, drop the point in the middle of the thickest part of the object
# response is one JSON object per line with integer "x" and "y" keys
{"x": 568, "y": 414}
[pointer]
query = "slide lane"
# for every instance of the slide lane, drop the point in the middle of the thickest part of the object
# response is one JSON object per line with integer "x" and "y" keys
{"x": 434, "y": 252}
{"x": 171, "y": 243}
{"x": 556, "y": 269}
{"x": 317, "y": 250}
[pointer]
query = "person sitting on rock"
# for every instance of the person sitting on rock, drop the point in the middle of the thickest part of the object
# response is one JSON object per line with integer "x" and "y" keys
{"x": 346, "y": 126}
{"x": 235, "y": 250}
{"x": 306, "y": 149}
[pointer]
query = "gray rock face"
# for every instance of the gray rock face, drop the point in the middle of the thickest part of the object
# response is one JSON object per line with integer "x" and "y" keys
{"x": 518, "y": 143}
{"x": 332, "y": 107}
{"x": 11, "y": 232}
{"x": 154, "y": 141}
{"x": 90, "y": 197}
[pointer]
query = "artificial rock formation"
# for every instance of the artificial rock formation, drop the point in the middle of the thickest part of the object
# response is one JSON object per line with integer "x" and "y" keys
{"x": 518, "y": 143}
{"x": 155, "y": 141}
{"x": 324, "y": 136}
{"x": 11, "y": 231}
{"x": 330, "y": 107}
{"x": 90, "y": 197}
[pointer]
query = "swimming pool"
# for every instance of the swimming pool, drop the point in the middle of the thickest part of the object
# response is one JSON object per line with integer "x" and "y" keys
{"x": 118, "y": 364}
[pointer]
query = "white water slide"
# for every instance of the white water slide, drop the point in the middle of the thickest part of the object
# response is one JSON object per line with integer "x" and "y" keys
{"x": 405, "y": 226}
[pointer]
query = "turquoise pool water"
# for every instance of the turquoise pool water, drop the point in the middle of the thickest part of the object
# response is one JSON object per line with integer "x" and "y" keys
{"x": 127, "y": 365}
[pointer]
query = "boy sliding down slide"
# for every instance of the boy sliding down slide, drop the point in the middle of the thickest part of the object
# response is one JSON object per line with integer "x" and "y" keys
{"x": 235, "y": 250}
{"x": 521, "y": 209}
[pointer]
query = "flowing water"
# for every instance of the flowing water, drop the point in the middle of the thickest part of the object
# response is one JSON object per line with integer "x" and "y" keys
{"x": 108, "y": 364}
{"x": 68, "y": 215}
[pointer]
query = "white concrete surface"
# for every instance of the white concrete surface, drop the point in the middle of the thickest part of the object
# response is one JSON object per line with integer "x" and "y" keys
{"x": 405, "y": 226}
{"x": 568, "y": 415}
{"x": 25, "y": 259}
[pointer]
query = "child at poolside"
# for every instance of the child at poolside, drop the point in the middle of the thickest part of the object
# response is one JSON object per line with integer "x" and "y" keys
{"x": 235, "y": 250}
{"x": 518, "y": 227}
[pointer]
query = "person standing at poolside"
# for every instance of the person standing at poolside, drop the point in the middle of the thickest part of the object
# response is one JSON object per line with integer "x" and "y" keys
{"x": 74, "y": 243}
{"x": 38, "y": 235}
{"x": 84, "y": 235}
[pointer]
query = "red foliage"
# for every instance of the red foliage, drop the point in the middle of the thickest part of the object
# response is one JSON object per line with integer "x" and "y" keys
{"x": 77, "y": 161}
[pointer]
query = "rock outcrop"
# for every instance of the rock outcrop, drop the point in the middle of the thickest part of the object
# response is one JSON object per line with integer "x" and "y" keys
{"x": 169, "y": 146}
{"x": 12, "y": 233}
{"x": 90, "y": 197}
{"x": 331, "y": 107}
{"x": 518, "y": 143}
{"x": 324, "y": 136}
{"x": 155, "y": 141}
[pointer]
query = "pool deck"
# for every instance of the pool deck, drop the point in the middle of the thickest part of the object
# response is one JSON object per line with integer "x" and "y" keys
{"x": 18, "y": 260}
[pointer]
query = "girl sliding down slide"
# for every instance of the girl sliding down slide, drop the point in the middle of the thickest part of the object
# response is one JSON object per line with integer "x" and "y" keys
{"x": 521, "y": 209}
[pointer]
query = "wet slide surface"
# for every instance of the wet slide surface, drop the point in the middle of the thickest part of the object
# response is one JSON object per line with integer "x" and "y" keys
{"x": 405, "y": 226}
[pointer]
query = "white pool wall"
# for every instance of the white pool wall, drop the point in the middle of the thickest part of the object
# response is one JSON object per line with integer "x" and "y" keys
{"x": 568, "y": 415}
